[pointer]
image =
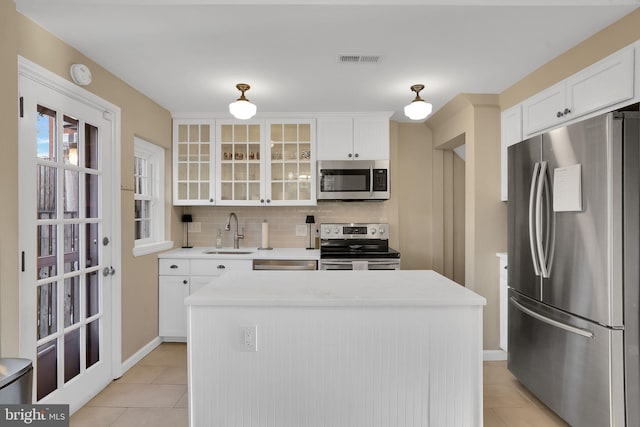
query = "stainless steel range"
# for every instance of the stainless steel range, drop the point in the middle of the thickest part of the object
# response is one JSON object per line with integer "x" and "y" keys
{"x": 357, "y": 247}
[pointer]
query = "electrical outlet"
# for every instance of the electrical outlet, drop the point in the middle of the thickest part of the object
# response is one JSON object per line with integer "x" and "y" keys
{"x": 194, "y": 227}
{"x": 249, "y": 338}
{"x": 301, "y": 230}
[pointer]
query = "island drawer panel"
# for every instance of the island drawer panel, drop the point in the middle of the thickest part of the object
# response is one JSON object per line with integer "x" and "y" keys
{"x": 173, "y": 267}
{"x": 215, "y": 267}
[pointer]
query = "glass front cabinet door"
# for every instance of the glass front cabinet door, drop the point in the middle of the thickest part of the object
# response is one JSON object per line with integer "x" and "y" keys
{"x": 240, "y": 172}
{"x": 291, "y": 162}
{"x": 193, "y": 143}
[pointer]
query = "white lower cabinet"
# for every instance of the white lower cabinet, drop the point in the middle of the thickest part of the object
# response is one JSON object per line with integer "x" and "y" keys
{"x": 179, "y": 278}
{"x": 172, "y": 321}
{"x": 504, "y": 303}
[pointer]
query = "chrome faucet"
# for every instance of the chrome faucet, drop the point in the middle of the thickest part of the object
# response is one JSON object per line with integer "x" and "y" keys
{"x": 236, "y": 236}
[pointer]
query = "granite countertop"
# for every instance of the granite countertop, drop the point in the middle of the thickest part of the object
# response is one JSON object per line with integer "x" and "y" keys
{"x": 334, "y": 288}
{"x": 276, "y": 253}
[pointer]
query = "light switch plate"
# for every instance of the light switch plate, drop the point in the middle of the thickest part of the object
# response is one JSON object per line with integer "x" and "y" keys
{"x": 301, "y": 230}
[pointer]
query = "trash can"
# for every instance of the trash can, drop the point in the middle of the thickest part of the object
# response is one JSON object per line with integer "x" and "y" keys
{"x": 16, "y": 379}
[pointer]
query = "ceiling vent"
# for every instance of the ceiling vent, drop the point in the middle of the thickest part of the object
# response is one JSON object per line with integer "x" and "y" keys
{"x": 354, "y": 59}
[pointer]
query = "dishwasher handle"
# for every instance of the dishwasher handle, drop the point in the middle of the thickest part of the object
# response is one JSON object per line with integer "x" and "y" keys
{"x": 284, "y": 265}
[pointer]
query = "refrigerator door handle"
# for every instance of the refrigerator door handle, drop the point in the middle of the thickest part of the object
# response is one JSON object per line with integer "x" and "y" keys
{"x": 578, "y": 331}
{"x": 532, "y": 211}
{"x": 542, "y": 257}
{"x": 551, "y": 228}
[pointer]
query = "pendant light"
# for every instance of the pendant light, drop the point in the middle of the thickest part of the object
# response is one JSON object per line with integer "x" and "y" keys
{"x": 418, "y": 109}
{"x": 242, "y": 109}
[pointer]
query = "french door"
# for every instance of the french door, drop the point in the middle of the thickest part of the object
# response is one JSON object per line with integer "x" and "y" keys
{"x": 65, "y": 238}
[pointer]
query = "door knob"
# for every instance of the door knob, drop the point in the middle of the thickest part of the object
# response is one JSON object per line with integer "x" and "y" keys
{"x": 108, "y": 271}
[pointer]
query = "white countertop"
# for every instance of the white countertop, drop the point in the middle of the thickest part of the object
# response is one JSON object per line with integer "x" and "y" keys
{"x": 334, "y": 288}
{"x": 276, "y": 253}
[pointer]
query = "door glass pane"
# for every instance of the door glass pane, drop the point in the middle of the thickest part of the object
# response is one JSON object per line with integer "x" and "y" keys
{"x": 47, "y": 309}
{"x": 70, "y": 141}
{"x": 71, "y": 247}
{"x": 46, "y": 251}
{"x": 91, "y": 246}
{"x": 46, "y": 133}
{"x": 46, "y": 191}
{"x": 47, "y": 368}
{"x": 70, "y": 194}
{"x": 71, "y": 354}
{"x": 90, "y": 146}
{"x": 93, "y": 342}
{"x": 71, "y": 300}
{"x": 91, "y": 198}
{"x": 92, "y": 293}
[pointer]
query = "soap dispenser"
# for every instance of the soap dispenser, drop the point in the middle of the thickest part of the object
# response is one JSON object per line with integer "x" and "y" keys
{"x": 219, "y": 239}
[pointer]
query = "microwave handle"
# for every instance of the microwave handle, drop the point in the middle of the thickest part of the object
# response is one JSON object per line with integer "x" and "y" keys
{"x": 371, "y": 183}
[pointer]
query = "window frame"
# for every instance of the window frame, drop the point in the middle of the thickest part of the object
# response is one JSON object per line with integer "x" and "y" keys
{"x": 154, "y": 155}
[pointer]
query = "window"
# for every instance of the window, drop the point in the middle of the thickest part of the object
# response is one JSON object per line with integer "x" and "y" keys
{"x": 148, "y": 177}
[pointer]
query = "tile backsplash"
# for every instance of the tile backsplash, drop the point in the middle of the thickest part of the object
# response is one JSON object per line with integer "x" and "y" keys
{"x": 282, "y": 221}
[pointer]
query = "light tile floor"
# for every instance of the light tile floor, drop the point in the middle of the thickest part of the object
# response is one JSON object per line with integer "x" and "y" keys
{"x": 154, "y": 393}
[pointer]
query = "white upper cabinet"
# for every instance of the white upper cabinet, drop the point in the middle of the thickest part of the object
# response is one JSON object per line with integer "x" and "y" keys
{"x": 371, "y": 138}
{"x": 291, "y": 162}
{"x": 603, "y": 84}
{"x": 510, "y": 133}
{"x": 240, "y": 153}
{"x": 335, "y": 138}
{"x": 193, "y": 150}
{"x": 353, "y": 138}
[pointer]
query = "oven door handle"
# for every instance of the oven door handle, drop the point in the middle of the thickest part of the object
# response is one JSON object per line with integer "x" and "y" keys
{"x": 370, "y": 262}
{"x": 335, "y": 262}
{"x": 383, "y": 262}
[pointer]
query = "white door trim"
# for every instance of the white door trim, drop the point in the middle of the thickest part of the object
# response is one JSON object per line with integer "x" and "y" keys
{"x": 112, "y": 113}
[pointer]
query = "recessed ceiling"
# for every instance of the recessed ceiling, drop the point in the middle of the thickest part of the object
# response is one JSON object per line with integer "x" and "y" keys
{"x": 189, "y": 55}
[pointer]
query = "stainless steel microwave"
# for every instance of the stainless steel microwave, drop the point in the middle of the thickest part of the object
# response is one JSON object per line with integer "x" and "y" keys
{"x": 353, "y": 180}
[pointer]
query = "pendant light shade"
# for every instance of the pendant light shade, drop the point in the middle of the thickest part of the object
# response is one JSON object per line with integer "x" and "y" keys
{"x": 242, "y": 109}
{"x": 418, "y": 109}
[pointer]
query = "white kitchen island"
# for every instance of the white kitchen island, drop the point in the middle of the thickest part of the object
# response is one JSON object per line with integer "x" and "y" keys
{"x": 335, "y": 349}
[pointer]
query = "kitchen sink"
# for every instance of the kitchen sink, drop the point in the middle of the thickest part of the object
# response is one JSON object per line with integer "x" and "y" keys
{"x": 228, "y": 252}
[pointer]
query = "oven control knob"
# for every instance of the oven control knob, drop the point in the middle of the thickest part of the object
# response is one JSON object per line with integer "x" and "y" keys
{"x": 373, "y": 231}
{"x": 381, "y": 231}
{"x": 336, "y": 230}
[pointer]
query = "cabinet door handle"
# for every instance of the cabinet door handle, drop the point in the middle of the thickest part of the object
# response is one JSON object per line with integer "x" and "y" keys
{"x": 268, "y": 200}
{"x": 357, "y": 155}
{"x": 350, "y": 155}
{"x": 173, "y": 266}
{"x": 210, "y": 200}
{"x": 559, "y": 114}
{"x": 185, "y": 281}
{"x": 566, "y": 111}
{"x": 221, "y": 267}
{"x": 261, "y": 200}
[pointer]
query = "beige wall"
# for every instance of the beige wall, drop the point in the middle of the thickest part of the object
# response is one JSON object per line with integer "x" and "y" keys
{"x": 414, "y": 193}
{"x": 9, "y": 180}
{"x": 616, "y": 36}
{"x": 140, "y": 116}
{"x": 475, "y": 121}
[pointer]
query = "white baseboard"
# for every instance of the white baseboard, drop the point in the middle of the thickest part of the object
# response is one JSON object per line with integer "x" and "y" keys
{"x": 490, "y": 355}
{"x": 140, "y": 354}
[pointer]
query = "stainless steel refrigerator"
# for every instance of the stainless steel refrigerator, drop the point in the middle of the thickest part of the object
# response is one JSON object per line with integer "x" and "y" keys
{"x": 574, "y": 269}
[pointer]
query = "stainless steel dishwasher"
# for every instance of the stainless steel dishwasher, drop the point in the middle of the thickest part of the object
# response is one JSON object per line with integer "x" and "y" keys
{"x": 285, "y": 264}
